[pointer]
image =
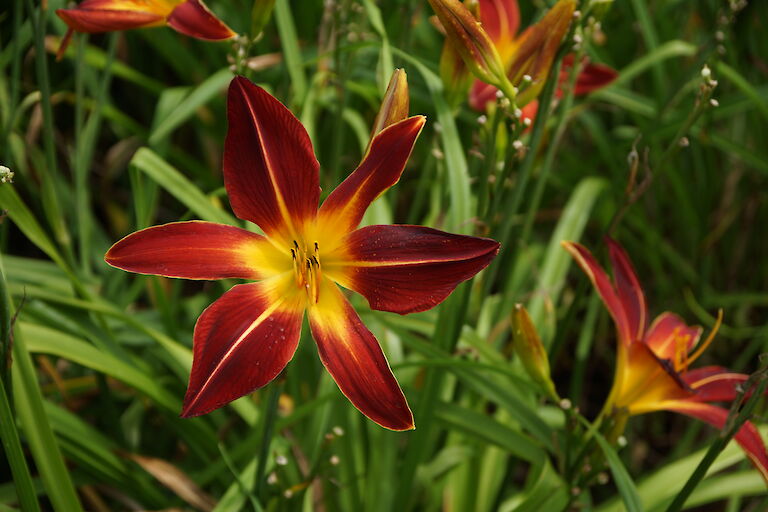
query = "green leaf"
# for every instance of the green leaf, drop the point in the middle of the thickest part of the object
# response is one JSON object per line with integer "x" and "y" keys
{"x": 556, "y": 260}
{"x": 179, "y": 186}
{"x": 186, "y": 108}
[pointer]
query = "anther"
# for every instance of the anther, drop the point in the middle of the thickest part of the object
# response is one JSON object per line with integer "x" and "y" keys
{"x": 296, "y": 245}
{"x": 316, "y": 247}
{"x": 293, "y": 254}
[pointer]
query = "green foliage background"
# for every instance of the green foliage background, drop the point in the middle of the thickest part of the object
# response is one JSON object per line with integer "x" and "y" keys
{"x": 127, "y": 131}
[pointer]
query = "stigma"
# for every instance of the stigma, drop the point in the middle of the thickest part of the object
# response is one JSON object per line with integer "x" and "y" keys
{"x": 306, "y": 268}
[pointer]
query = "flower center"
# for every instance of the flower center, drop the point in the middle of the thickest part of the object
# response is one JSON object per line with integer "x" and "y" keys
{"x": 306, "y": 267}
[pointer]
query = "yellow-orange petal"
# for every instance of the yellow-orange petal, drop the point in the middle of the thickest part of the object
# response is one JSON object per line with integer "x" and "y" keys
{"x": 242, "y": 341}
{"x": 198, "y": 250}
{"x": 352, "y": 356}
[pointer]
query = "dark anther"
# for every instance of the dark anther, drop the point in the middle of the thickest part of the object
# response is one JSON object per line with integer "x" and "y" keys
{"x": 309, "y": 264}
{"x": 293, "y": 254}
{"x": 315, "y": 260}
{"x": 296, "y": 245}
{"x": 316, "y": 247}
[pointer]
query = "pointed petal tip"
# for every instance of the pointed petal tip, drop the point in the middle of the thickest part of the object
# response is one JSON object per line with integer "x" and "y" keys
{"x": 193, "y": 18}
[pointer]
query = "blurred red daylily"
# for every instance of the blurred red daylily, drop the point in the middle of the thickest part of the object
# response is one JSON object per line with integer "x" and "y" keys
{"x": 532, "y": 53}
{"x": 245, "y": 339}
{"x": 652, "y": 363}
{"x": 190, "y": 17}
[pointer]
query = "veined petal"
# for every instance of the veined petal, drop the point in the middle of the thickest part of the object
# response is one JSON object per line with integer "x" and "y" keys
{"x": 648, "y": 382}
{"x": 604, "y": 287}
{"x": 198, "y": 250}
{"x": 714, "y": 383}
{"x": 270, "y": 171}
{"x": 96, "y": 18}
{"x": 501, "y": 19}
{"x": 747, "y": 436}
{"x": 355, "y": 361}
{"x": 194, "y": 19}
{"x": 242, "y": 341}
{"x": 667, "y": 331}
{"x": 381, "y": 168}
{"x": 628, "y": 289}
{"x": 404, "y": 269}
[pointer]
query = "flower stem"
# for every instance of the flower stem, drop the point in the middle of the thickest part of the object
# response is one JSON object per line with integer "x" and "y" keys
{"x": 732, "y": 426}
{"x": 268, "y": 427}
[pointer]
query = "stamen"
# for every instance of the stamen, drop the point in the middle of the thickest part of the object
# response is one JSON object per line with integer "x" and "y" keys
{"x": 703, "y": 346}
{"x": 715, "y": 378}
{"x": 293, "y": 254}
{"x": 295, "y": 245}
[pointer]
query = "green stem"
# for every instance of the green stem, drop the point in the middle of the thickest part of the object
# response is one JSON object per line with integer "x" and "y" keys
{"x": 266, "y": 439}
{"x": 730, "y": 430}
{"x": 50, "y": 200}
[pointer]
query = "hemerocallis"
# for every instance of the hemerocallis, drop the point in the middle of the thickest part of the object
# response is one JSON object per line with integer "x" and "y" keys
{"x": 532, "y": 53}
{"x": 189, "y": 17}
{"x": 653, "y": 361}
{"x": 245, "y": 339}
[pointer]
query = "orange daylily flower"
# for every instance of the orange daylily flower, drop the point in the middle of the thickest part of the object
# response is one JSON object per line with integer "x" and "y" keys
{"x": 652, "y": 364}
{"x": 531, "y": 53}
{"x": 245, "y": 339}
{"x": 190, "y": 17}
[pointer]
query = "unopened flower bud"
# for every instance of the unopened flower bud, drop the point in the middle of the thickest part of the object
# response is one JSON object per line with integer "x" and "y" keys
{"x": 394, "y": 105}
{"x": 471, "y": 42}
{"x": 530, "y": 350}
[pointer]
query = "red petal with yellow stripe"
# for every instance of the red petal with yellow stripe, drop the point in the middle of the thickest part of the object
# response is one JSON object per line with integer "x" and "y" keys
{"x": 94, "y": 20}
{"x": 193, "y": 250}
{"x": 628, "y": 289}
{"x": 747, "y": 436}
{"x": 667, "y": 331}
{"x": 714, "y": 383}
{"x": 270, "y": 170}
{"x": 501, "y": 20}
{"x": 194, "y": 19}
{"x": 242, "y": 341}
{"x": 380, "y": 169}
{"x": 354, "y": 359}
{"x": 405, "y": 269}
{"x": 604, "y": 287}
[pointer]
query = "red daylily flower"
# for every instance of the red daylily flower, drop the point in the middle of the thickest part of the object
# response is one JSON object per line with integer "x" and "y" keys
{"x": 652, "y": 363}
{"x": 245, "y": 339}
{"x": 190, "y": 17}
{"x": 501, "y": 20}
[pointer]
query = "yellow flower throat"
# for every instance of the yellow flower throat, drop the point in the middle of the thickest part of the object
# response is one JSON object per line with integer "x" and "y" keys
{"x": 306, "y": 267}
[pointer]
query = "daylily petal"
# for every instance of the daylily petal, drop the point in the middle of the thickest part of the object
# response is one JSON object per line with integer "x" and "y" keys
{"x": 381, "y": 168}
{"x": 481, "y": 94}
{"x": 270, "y": 171}
{"x": 405, "y": 269}
{"x": 501, "y": 19}
{"x": 665, "y": 333}
{"x": 593, "y": 77}
{"x": 747, "y": 436}
{"x": 197, "y": 250}
{"x": 96, "y": 16}
{"x": 355, "y": 361}
{"x": 714, "y": 383}
{"x": 648, "y": 381}
{"x": 242, "y": 341}
{"x": 603, "y": 286}
{"x": 395, "y": 104}
{"x": 194, "y": 19}
{"x": 536, "y": 47}
{"x": 628, "y": 289}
